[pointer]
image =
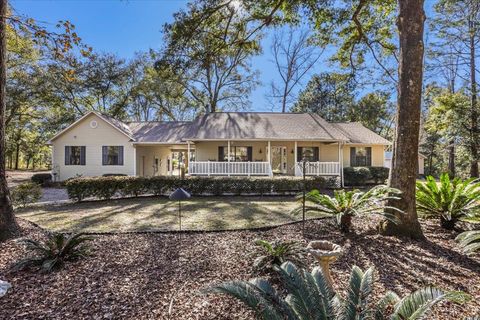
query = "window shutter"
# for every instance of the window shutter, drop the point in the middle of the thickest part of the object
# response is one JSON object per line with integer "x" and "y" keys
{"x": 104, "y": 155}
{"x": 67, "y": 155}
{"x": 221, "y": 155}
{"x": 249, "y": 153}
{"x": 316, "y": 154}
{"x": 369, "y": 156}
{"x": 299, "y": 154}
{"x": 353, "y": 153}
{"x": 82, "y": 155}
{"x": 120, "y": 155}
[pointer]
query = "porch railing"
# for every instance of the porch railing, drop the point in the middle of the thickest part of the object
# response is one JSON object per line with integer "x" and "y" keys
{"x": 218, "y": 168}
{"x": 318, "y": 169}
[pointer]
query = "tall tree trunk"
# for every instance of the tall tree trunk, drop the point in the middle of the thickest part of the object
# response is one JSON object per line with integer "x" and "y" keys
{"x": 451, "y": 158}
{"x": 404, "y": 170}
{"x": 17, "y": 154}
{"x": 8, "y": 224}
{"x": 474, "y": 113}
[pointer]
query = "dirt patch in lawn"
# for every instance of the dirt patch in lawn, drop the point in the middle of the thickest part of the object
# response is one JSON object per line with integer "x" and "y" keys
{"x": 135, "y": 276}
{"x": 158, "y": 213}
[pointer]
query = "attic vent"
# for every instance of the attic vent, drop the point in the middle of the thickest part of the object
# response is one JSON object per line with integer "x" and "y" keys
{"x": 93, "y": 124}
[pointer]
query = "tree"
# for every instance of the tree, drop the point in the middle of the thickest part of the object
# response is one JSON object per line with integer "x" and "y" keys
{"x": 331, "y": 95}
{"x": 61, "y": 43}
{"x": 294, "y": 56}
{"x": 208, "y": 51}
{"x": 403, "y": 173}
{"x": 374, "y": 111}
{"x": 457, "y": 27}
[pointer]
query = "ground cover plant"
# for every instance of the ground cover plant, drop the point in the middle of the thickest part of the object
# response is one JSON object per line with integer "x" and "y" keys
{"x": 450, "y": 200}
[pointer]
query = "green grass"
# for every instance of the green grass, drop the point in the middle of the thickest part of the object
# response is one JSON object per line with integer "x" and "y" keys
{"x": 148, "y": 214}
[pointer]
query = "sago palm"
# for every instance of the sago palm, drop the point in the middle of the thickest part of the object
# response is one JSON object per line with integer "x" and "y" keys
{"x": 449, "y": 200}
{"x": 309, "y": 297}
{"x": 344, "y": 205}
{"x": 470, "y": 240}
{"x": 276, "y": 253}
{"x": 52, "y": 253}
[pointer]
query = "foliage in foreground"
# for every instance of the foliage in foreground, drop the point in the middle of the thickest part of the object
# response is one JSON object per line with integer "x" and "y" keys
{"x": 52, "y": 253}
{"x": 309, "y": 297}
{"x": 470, "y": 240}
{"x": 26, "y": 193}
{"x": 449, "y": 200}
{"x": 276, "y": 253}
{"x": 344, "y": 205}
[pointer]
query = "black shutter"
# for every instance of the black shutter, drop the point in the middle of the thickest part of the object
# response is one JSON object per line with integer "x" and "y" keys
{"x": 299, "y": 154}
{"x": 120, "y": 155}
{"x": 104, "y": 155}
{"x": 83, "y": 150}
{"x": 353, "y": 153}
{"x": 221, "y": 154}
{"x": 249, "y": 153}
{"x": 369, "y": 156}
{"x": 316, "y": 154}
{"x": 67, "y": 155}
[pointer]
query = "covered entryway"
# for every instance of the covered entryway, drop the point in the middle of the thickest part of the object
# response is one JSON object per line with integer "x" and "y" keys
{"x": 279, "y": 159}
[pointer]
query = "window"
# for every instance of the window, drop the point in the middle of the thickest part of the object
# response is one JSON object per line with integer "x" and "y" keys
{"x": 360, "y": 156}
{"x": 310, "y": 153}
{"x": 74, "y": 155}
{"x": 112, "y": 155}
{"x": 238, "y": 154}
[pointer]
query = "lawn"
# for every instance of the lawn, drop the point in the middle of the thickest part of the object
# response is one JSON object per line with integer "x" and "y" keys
{"x": 153, "y": 213}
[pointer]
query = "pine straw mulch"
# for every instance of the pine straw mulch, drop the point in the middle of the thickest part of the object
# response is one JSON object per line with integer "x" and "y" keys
{"x": 137, "y": 276}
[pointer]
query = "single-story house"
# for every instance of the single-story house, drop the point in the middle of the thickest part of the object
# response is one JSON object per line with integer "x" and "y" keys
{"x": 215, "y": 144}
{"x": 421, "y": 162}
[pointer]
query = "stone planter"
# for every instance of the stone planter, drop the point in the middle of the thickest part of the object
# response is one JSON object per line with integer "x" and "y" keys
{"x": 325, "y": 252}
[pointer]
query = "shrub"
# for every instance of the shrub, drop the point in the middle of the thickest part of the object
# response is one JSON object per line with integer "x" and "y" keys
{"x": 26, "y": 193}
{"x": 449, "y": 200}
{"x": 344, "y": 205}
{"x": 360, "y": 176}
{"x": 107, "y": 187}
{"x": 307, "y": 296}
{"x": 43, "y": 179}
{"x": 52, "y": 253}
{"x": 275, "y": 253}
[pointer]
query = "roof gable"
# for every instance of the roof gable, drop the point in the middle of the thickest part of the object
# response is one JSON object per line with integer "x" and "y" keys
{"x": 116, "y": 124}
{"x": 359, "y": 134}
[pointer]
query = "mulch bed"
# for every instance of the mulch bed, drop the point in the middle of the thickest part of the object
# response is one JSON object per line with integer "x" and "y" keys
{"x": 152, "y": 276}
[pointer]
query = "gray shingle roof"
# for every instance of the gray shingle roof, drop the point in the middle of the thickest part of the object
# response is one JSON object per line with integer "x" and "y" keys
{"x": 263, "y": 125}
{"x": 357, "y": 133}
{"x": 164, "y": 132}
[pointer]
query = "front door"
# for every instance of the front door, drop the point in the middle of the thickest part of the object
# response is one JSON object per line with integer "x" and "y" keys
{"x": 279, "y": 159}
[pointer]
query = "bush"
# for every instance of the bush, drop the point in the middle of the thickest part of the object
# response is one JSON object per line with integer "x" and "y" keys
{"x": 107, "y": 187}
{"x": 360, "y": 176}
{"x": 273, "y": 254}
{"x": 43, "y": 179}
{"x": 26, "y": 193}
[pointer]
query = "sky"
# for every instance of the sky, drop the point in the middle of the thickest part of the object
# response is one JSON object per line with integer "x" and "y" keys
{"x": 124, "y": 27}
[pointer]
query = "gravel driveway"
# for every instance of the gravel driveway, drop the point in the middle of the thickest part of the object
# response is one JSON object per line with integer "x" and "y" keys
{"x": 14, "y": 178}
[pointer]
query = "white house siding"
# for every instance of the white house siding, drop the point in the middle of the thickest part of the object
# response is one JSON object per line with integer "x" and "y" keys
{"x": 93, "y": 139}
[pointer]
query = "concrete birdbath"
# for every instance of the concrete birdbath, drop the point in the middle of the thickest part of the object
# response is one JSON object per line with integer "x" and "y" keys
{"x": 325, "y": 252}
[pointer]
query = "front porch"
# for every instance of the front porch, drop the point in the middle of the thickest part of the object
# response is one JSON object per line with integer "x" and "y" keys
{"x": 264, "y": 158}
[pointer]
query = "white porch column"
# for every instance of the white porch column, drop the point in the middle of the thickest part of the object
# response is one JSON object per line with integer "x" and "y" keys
{"x": 269, "y": 153}
{"x": 188, "y": 156}
{"x": 340, "y": 160}
{"x": 295, "y": 155}
{"x": 134, "y": 161}
{"x": 228, "y": 158}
